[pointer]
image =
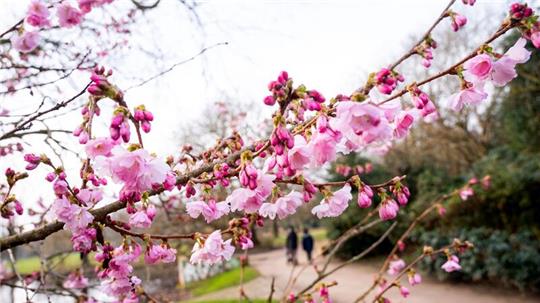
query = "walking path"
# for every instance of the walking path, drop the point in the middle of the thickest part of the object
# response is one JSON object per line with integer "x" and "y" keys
{"x": 354, "y": 279}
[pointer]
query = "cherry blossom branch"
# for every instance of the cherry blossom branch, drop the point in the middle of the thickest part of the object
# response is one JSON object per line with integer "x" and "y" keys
{"x": 12, "y": 28}
{"x": 26, "y": 123}
{"x": 413, "y": 51}
{"x": 452, "y": 69}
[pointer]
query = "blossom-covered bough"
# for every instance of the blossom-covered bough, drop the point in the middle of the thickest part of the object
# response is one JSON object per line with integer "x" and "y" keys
{"x": 267, "y": 179}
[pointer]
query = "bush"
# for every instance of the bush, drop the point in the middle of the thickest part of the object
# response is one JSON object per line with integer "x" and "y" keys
{"x": 497, "y": 256}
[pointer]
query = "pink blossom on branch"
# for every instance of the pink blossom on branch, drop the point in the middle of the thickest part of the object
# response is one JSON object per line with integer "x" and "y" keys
{"x": 361, "y": 123}
{"x": 68, "y": 16}
{"x": 137, "y": 170}
{"x": 283, "y": 206}
{"x": 75, "y": 280}
{"x": 25, "y": 42}
{"x": 365, "y": 195}
{"x": 414, "y": 279}
{"x": 452, "y": 264}
{"x": 143, "y": 217}
{"x": 478, "y": 68}
{"x": 212, "y": 249}
{"x": 472, "y": 95}
{"x": 396, "y": 266}
{"x": 535, "y": 38}
{"x": 160, "y": 253}
{"x": 388, "y": 209}
{"x": 211, "y": 211}
{"x": 74, "y": 217}
{"x": 299, "y": 155}
{"x": 250, "y": 200}
{"x": 458, "y": 21}
{"x": 100, "y": 147}
{"x": 335, "y": 204}
{"x": 38, "y": 14}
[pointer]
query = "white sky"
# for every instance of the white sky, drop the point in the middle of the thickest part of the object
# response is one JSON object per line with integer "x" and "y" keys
{"x": 328, "y": 45}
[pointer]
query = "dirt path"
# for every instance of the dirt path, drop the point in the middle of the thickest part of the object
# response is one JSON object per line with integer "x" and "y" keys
{"x": 354, "y": 279}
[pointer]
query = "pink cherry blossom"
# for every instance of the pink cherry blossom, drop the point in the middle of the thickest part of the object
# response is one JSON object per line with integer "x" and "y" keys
{"x": 452, "y": 264}
{"x": 248, "y": 176}
{"x": 458, "y": 21}
{"x": 504, "y": 69}
{"x": 361, "y": 123}
{"x": 68, "y": 16}
{"x": 283, "y": 206}
{"x": 137, "y": 169}
{"x": 365, "y": 196}
{"x": 33, "y": 161}
{"x": 86, "y": 5}
{"x": 404, "y": 291}
{"x": 465, "y": 193}
{"x": 396, "y": 266}
{"x": 74, "y": 217}
{"x": 535, "y": 38}
{"x": 26, "y": 42}
{"x": 470, "y": 96}
{"x": 299, "y": 155}
{"x": 60, "y": 187}
{"x": 211, "y": 210}
{"x": 251, "y": 200}
{"x": 38, "y": 14}
{"x": 90, "y": 196}
{"x": 213, "y": 250}
{"x": 100, "y": 147}
{"x": 415, "y": 279}
{"x": 402, "y": 125}
{"x": 160, "y": 253}
{"x": 75, "y": 280}
{"x": 142, "y": 218}
{"x": 322, "y": 147}
{"x": 478, "y": 68}
{"x": 388, "y": 209}
{"x": 83, "y": 240}
{"x": 334, "y": 205}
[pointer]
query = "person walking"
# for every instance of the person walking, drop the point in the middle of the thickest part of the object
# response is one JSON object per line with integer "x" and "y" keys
{"x": 307, "y": 244}
{"x": 291, "y": 245}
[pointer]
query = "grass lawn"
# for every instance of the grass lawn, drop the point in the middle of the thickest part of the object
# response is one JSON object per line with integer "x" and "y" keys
{"x": 221, "y": 281}
{"x": 32, "y": 264}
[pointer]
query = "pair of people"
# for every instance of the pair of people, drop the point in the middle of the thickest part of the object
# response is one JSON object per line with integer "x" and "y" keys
{"x": 291, "y": 245}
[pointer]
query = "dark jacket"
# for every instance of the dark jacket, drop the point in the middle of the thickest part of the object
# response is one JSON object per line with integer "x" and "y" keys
{"x": 292, "y": 241}
{"x": 307, "y": 242}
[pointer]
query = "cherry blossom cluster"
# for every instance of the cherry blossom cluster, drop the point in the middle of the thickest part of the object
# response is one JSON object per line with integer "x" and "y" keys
{"x": 425, "y": 50}
{"x": 488, "y": 67}
{"x": 387, "y": 80}
{"x": 38, "y": 16}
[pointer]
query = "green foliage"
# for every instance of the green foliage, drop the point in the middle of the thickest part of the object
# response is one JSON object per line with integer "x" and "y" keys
{"x": 223, "y": 280}
{"x": 499, "y": 256}
{"x": 63, "y": 263}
